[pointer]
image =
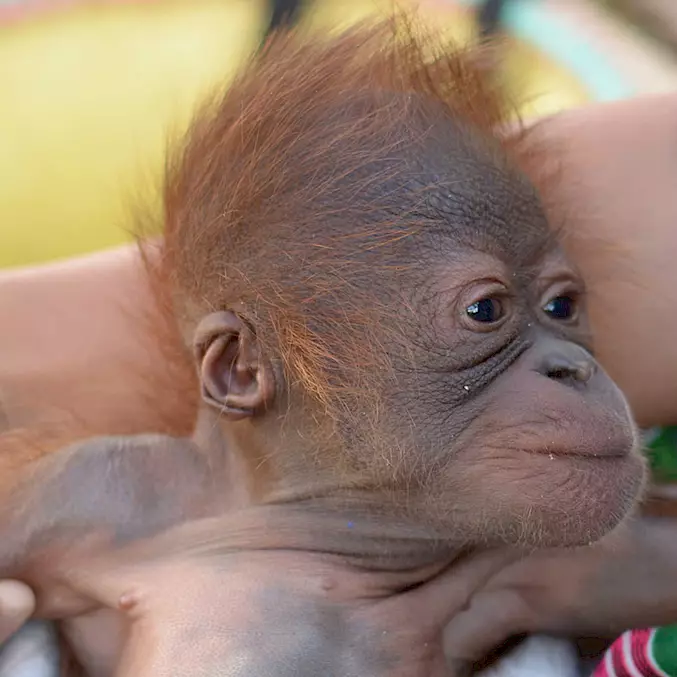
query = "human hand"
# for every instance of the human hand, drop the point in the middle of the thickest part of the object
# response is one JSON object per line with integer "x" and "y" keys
{"x": 17, "y": 604}
{"x": 625, "y": 581}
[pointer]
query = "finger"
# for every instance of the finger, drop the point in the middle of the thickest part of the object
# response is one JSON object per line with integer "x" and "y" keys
{"x": 17, "y": 603}
{"x": 441, "y": 598}
{"x": 491, "y": 618}
{"x": 32, "y": 652}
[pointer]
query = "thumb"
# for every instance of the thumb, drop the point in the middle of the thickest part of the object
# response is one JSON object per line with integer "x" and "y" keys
{"x": 439, "y": 599}
{"x": 17, "y": 603}
{"x": 492, "y": 617}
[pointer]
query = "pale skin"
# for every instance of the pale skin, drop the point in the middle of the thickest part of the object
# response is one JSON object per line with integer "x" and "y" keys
{"x": 621, "y": 224}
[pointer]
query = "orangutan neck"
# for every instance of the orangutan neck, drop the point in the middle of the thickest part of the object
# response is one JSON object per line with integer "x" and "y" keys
{"x": 385, "y": 557}
{"x": 312, "y": 516}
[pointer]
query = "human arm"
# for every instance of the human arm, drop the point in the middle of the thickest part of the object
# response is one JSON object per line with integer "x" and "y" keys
{"x": 76, "y": 352}
{"x": 71, "y": 326}
{"x": 617, "y": 165}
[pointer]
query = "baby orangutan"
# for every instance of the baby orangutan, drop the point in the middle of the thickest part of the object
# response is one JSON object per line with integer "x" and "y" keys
{"x": 396, "y": 384}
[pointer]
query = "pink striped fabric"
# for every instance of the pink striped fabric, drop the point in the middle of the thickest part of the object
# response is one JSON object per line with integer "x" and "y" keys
{"x": 631, "y": 655}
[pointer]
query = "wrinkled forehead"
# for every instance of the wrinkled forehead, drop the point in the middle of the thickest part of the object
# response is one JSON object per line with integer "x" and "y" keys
{"x": 437, "y": 178}
{"x": 490, "y": 216}
{"x": 473, "y": 197}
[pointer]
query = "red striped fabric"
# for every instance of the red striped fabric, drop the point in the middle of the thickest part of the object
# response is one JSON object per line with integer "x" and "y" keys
{"x": 630, "y": 656}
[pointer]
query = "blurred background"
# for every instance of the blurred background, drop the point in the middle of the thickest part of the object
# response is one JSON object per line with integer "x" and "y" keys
{"x": 91, "y": 91}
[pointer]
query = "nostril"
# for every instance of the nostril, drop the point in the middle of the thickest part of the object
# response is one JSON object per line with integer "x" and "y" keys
{"x": 564, "y": 362}
{"x": 577, "y": 371}
{"x": 559, "y": 373}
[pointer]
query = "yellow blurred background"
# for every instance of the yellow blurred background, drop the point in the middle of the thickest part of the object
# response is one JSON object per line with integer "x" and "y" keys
{"x": 90, "y": 95}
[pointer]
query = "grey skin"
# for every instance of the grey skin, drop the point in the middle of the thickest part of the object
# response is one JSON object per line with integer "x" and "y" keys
{"x": 182, "y": 593}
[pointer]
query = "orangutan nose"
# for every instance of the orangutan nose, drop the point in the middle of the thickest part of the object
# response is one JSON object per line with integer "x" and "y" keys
{"x": 566, "y": 362}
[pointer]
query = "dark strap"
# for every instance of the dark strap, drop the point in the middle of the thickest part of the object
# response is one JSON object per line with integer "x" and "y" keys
{"x": 489, "y": 17}
{"x": 283, "y": 14}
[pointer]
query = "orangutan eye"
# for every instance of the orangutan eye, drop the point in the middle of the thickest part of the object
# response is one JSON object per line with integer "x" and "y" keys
{"x": 486, "y": 311}
{"x": 561, "y": 308}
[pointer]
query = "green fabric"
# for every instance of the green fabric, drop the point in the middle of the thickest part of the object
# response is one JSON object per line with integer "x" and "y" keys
{"x": 662, "y": 454}
{"x": 664, "y": 649}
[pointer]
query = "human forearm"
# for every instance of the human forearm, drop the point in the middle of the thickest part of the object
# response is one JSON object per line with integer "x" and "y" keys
{"x": 70, "y": 330}
{"x": 616, "y": 167}
{"x": 76, "y": 347}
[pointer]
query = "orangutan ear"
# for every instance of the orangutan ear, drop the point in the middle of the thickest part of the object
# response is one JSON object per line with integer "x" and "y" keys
{"x": 234, "y": 375}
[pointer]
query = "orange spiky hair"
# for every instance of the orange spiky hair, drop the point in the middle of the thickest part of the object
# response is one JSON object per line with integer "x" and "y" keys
{"x": 286, "y": 180}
